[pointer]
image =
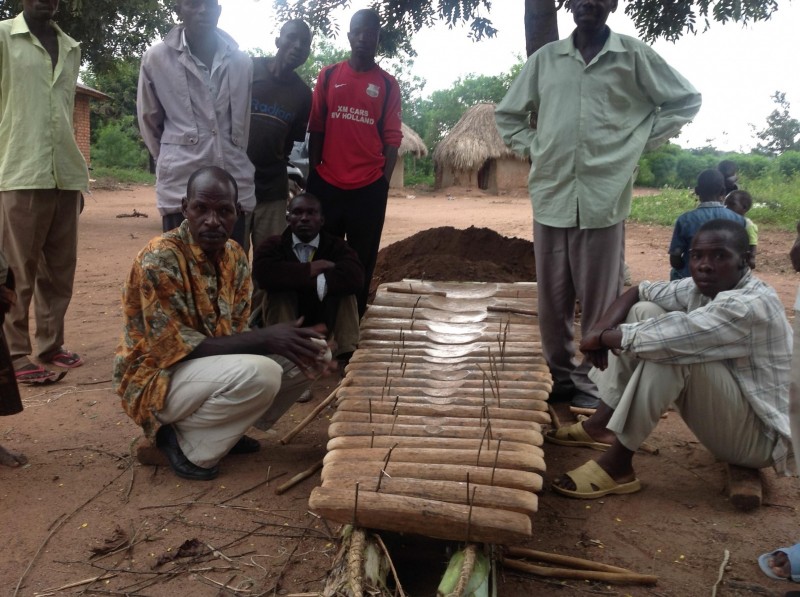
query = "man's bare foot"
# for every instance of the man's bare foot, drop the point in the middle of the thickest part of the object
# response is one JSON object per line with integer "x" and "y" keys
{"x": 12, "y": 459}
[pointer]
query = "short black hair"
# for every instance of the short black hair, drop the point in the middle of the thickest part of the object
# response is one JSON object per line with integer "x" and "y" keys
{"x": 738, "y": 235}
{"x": 727, "y": 167}
{"x": 370, "y": 16}
{"x": 743, "y": 197}
{"x": 215, "y": 172}
{"x": 710, "y": 183}
{"x": 304, "y": 195}
{"x": 290, "y": 22}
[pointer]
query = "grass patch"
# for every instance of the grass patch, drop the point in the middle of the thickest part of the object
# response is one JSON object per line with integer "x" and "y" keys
{"x": 111, "y": 178}
{"x": 776, "y": 203}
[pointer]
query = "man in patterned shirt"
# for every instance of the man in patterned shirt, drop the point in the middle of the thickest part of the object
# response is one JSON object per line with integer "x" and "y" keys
{"x": 187, "y": 368}
{"x": 717, "y": 345}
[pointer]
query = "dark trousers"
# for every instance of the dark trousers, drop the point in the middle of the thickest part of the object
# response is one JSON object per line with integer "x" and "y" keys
{"x": 355, "y": 215}
{"x": 170, "y": 221}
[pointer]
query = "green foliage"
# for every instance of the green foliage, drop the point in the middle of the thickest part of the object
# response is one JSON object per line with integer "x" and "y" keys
{"x": 119, "y": 81}
{"x": 788, "y": 164}
{"x": 662, "y": 209}
{"x": 752, "y": 166}
{"x": 118, "y": 146}
{"x": 108, "y": 29}
{"x": 782, "y": 132}
{"x": 110, "y": 177}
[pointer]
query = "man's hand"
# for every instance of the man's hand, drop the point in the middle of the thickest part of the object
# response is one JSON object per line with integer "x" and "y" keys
{"x": 593, "y": 350}
{"x": 794, "y": 253}
{"x": 321, "y": 266}
{"x": 305, "y": 347}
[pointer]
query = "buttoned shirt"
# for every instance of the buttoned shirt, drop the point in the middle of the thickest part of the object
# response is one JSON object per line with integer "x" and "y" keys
{"x": 37, "y": 144}
{"x": 593, "y": 123}
{"x": 174, "y": 298}
{"x": 745, "y": 328}
{"x": 190, "y": 116}
{"x": 305, "y": 253}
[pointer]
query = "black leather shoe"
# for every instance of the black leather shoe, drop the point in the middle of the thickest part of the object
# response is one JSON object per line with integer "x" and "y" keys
{"x": 245, "y": 445}
{"x": 167, "y": 442}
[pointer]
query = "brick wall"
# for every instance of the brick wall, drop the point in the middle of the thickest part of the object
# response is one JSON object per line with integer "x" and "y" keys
{"x": 80, "y": 125}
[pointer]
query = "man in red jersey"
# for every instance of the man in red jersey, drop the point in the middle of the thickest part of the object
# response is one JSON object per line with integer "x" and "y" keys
{"x": 354, "y": 134}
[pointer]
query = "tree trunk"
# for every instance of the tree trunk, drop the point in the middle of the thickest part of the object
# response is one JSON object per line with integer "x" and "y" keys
{"x": 541, "y": 25}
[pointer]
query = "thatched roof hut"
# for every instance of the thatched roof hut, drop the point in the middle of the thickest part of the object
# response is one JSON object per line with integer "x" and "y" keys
{"x": 474, "y": 155}
{"x": 412, "y": 143}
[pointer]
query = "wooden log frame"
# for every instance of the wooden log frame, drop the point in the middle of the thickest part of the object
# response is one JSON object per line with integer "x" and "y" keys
{"x": 484, "y": 475}
{"x": 534, "y": 400}
{"x": 438, "y": 428}
{"x": 432, "y": 518}
{"x": 508, "y": 459}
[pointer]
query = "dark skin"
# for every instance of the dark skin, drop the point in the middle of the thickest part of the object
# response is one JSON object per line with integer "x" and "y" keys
{"x": 211, "y": 212}
{"x": 794, "y": 253}
{"x": 715, "y": 267}
{"x": 294, "y": 47}
{"x": 591, "y": 33}
{"x": 676, "y": 258}
{"x": 38, "y": 14}
{"x": 200, "y": 18}
{"x": 8, "y": 298}
{"x": 364, "y": 35}
{"x": 304, "y": 217}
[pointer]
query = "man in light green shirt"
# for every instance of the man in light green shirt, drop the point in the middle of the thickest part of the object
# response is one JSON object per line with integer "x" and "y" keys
{"x": 42, "y": 174}
{"x": 600, "y": 99}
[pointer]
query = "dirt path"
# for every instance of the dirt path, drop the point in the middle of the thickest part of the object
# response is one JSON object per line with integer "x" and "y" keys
{"x": 80, "y": 486}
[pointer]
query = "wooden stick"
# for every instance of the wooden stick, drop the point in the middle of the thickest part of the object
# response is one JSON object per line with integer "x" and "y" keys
{"x": 563, "y": 560}
{"x": 313, "y": 414}
{"x": 609, "y": 577}
{"x": 298, "y": 478}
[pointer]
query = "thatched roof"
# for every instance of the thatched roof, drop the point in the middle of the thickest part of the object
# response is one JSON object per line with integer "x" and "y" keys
{"x": 473, "y": 140}
{"x": 412, "y": 142}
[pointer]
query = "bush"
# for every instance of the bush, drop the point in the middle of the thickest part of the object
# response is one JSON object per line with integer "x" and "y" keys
{"x": 118, "y": 146}
{"x": 788, "y": 163}
{"x": 753, "y": 165}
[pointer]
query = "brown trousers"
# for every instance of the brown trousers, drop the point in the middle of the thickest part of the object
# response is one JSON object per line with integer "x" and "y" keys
{"x": 571, "y": 264}
{"x": 39, "y": 236}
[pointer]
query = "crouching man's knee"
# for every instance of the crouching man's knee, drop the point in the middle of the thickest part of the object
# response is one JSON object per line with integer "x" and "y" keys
{"x": 643, "y": 310}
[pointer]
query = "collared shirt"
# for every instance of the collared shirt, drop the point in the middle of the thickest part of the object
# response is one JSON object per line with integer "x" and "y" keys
{"x": 305, "y": 253}
{"x": 745, "y": 328}
{"x": 594, "y": 121}
{"x": 190, "y": 116}
{"x": 37, "y": 144}
{"x": 173, "y": 299}
{"x": 687, "y": 225}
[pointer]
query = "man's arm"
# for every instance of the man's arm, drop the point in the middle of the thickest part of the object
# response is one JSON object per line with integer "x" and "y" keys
{"x": 676, "y": 100}
{"x": 676, "y": 259}
{"x": 316, "y": 120}
{"x": 605, "y": 335}
{"x": 513, "y": 115}
{"x": 315, "y": 143}
{"x": 150, "y": 112}
{"x": 794, "y": 255}
{"x": 390, "y": 154}
{"x": 276, "y": 269}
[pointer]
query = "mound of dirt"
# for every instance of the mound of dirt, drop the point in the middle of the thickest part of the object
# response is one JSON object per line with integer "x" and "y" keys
{"x": 449, "y": 254}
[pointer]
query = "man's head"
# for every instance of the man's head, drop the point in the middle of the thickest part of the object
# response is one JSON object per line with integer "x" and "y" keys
{"x": 718, "y": 256}
{"x": 739, "y": 202}
{"x": 304, "y": 216}
{"x": 199, "y": 17}
{"x": 591, "y": 15}
{"x": 293, "y": 43}
{"x": 211, "y": 208}
{"x": 364, "y": 34}
{"x": 710, "y": 185}
{"x": 39, "y": 10}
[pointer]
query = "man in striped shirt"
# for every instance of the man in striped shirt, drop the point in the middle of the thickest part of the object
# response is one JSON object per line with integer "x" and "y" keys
{"x": 717, "y": 345}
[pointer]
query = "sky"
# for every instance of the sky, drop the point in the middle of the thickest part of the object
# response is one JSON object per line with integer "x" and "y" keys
{"x": 737, "y": 69}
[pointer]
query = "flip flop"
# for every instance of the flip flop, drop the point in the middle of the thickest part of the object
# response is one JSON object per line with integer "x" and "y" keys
{"x": 574, "y": 435}
{"x": 592, "y": 482}
{"x": 32, "y": 374}
{"x": 64, "y": 358}
{"x": 792, "y": 554}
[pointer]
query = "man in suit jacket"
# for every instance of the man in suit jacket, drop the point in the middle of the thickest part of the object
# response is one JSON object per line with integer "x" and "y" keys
{"x": 312, "y": 274}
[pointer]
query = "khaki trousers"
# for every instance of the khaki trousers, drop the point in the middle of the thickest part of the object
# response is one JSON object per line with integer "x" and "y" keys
{"x": 281, "y": 307}
{"x": 213, "y": 401}
{"x": 571, "y": 264}
{"x": 39, "y": 236}
{"x": 706, "y": 395}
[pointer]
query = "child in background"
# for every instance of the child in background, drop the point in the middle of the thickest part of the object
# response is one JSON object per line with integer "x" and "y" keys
{"x": 710, "y": 190}
{"x": 741, "y": 202}
{"x": 729, "y": 172}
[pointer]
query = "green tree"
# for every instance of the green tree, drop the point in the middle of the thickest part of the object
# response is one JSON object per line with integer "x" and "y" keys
{"x": 782, "y": 131}
{"x": 108, "y": 29}
{"x": 118, "y": 80}
{"x": 652, "y": 18}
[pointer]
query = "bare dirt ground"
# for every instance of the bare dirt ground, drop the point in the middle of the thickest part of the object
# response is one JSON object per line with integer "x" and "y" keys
{"x": 82, "y": 491}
